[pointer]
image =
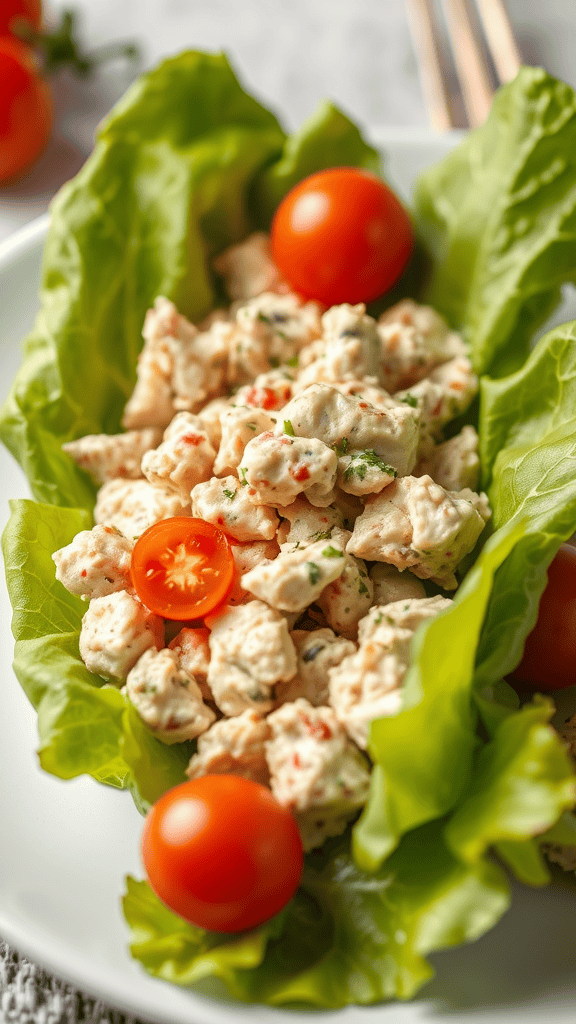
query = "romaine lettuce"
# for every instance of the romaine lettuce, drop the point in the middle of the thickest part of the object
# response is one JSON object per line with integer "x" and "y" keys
{"x": 498, "y": 215}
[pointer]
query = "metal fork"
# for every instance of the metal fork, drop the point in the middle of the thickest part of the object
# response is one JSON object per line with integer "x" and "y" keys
{"x": 473, "y": 73}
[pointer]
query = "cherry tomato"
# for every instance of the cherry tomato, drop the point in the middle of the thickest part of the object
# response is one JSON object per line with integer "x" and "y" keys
{"x": 222, "y": 853}
{"x": 549, "y": 659}
{"x": 341, "y": 236}
{"x": 25, "y": 108}
{"x": 13, "y": 11}
{"x": 182, "y": 568}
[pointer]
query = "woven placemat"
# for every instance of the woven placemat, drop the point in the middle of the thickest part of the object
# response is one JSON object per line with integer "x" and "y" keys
{"x": 29, "y": 995}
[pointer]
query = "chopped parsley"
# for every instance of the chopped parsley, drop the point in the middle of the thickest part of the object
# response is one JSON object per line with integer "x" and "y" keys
{"x": 252, "y": 426}
{"x": 289, "y": 429}
{"x": 341, "y": 447}
{"x": 274, "y": 362}
{"x": 322, "y": 535}
{"x": 410, "y": 400}
{"x": 292, "y": 362}
{"x": 243, "y": 480}
{"x": 229, "y": 494}
{"x": 314, "y": 572}
{"x": 360, "y": 462}
{"x": 331, "y": 552}
{"x": 362, "y": 588}
{"x": 378, "y": 618}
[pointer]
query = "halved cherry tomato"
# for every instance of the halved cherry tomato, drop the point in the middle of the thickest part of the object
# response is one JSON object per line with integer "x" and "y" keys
{"x": 549, "y": 659}
{"x": 182, "y": 568}
{"x": 341, "y": 235}
{"x": 25, "y": 108}
{"x": 222, "y": 853}
{"x": 13, "y": 11}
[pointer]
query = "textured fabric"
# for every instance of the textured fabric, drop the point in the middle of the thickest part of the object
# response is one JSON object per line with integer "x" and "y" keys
{"x": 28, "y": 995}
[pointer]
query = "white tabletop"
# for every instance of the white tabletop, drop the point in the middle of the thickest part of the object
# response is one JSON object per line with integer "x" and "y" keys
{"x": 290, "y": 53}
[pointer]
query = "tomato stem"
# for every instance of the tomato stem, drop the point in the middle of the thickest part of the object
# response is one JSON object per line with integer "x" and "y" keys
{"x": 61, "y": 48}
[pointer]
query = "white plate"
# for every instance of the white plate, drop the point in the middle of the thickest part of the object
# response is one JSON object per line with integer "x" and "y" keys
{"x": 66, "y": 846}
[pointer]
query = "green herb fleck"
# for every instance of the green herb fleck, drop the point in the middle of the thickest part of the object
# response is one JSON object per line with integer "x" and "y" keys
{"x": 360, "y": 462}
{"x": 362, "y": 588}
{"x": 410, "y": 400}
{"x": 359, "y": 470}
{"x": 274, "y": 362}
{"x": 230, "y": 494}
{"x": 331, "y": 552}
{"x": 292, "y": 362}
{"x": 322, "y": 535}
{"x": 341, "y": 447}
{"x": 314, "y": 572}
{"x": 378, "y": 618}
{"x": 289, "y": 429}
{"x": 263, "y": 318}
{"x": 252, "y": 426}
{"x": 243, "y": 480}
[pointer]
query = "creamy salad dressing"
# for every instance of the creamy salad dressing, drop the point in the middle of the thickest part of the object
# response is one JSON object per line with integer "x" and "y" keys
{"x": 314, "y": 439}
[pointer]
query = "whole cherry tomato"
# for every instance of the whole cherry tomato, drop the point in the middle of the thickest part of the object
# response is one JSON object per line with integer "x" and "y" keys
{"x": 182, "y": 568}
{"x": 222, "y": 853}
{"x": 549, "y": 659}
{"x": 341, "y": 236}
{"x": 25, "y": 108}
{"x": 14, "y": 11}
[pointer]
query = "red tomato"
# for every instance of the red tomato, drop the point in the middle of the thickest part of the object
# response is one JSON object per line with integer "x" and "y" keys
{"x": 182, "y": 568}
{"x": 12, "y": 11}
{"x": 222, "y": 853}
{"x": 549, "y": 659}
{"x": 341, "y": 236}
{"x": 25, "y": 108}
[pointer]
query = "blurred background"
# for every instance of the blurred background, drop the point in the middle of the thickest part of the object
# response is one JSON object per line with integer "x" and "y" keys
{"x": 290, "y": 53}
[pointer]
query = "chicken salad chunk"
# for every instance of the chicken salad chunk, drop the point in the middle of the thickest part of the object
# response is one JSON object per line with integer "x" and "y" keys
{"x": 313, "y": 439}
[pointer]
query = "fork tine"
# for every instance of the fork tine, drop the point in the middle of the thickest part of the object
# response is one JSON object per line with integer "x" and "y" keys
{"x": 424, "y": 39}
{"x": 477, "y": 91}
{"x": 500, "y": 38}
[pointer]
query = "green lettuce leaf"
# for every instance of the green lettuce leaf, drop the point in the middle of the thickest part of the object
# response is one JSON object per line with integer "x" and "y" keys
{"x": 528, "y": 446}
{"x": 40, "y": 605}
{"x": 423, "y": 755}
{"x": 85, "y": 726}
{"x": 154, "y": 766}
{"x": 562, "y": 831}
{"x": 522, "y": 781}
{"x": 167, "y": 188}
{"x": 346, "y": 937}
{"x": 325, "y": 140}
{"x": 498, "y": 216}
